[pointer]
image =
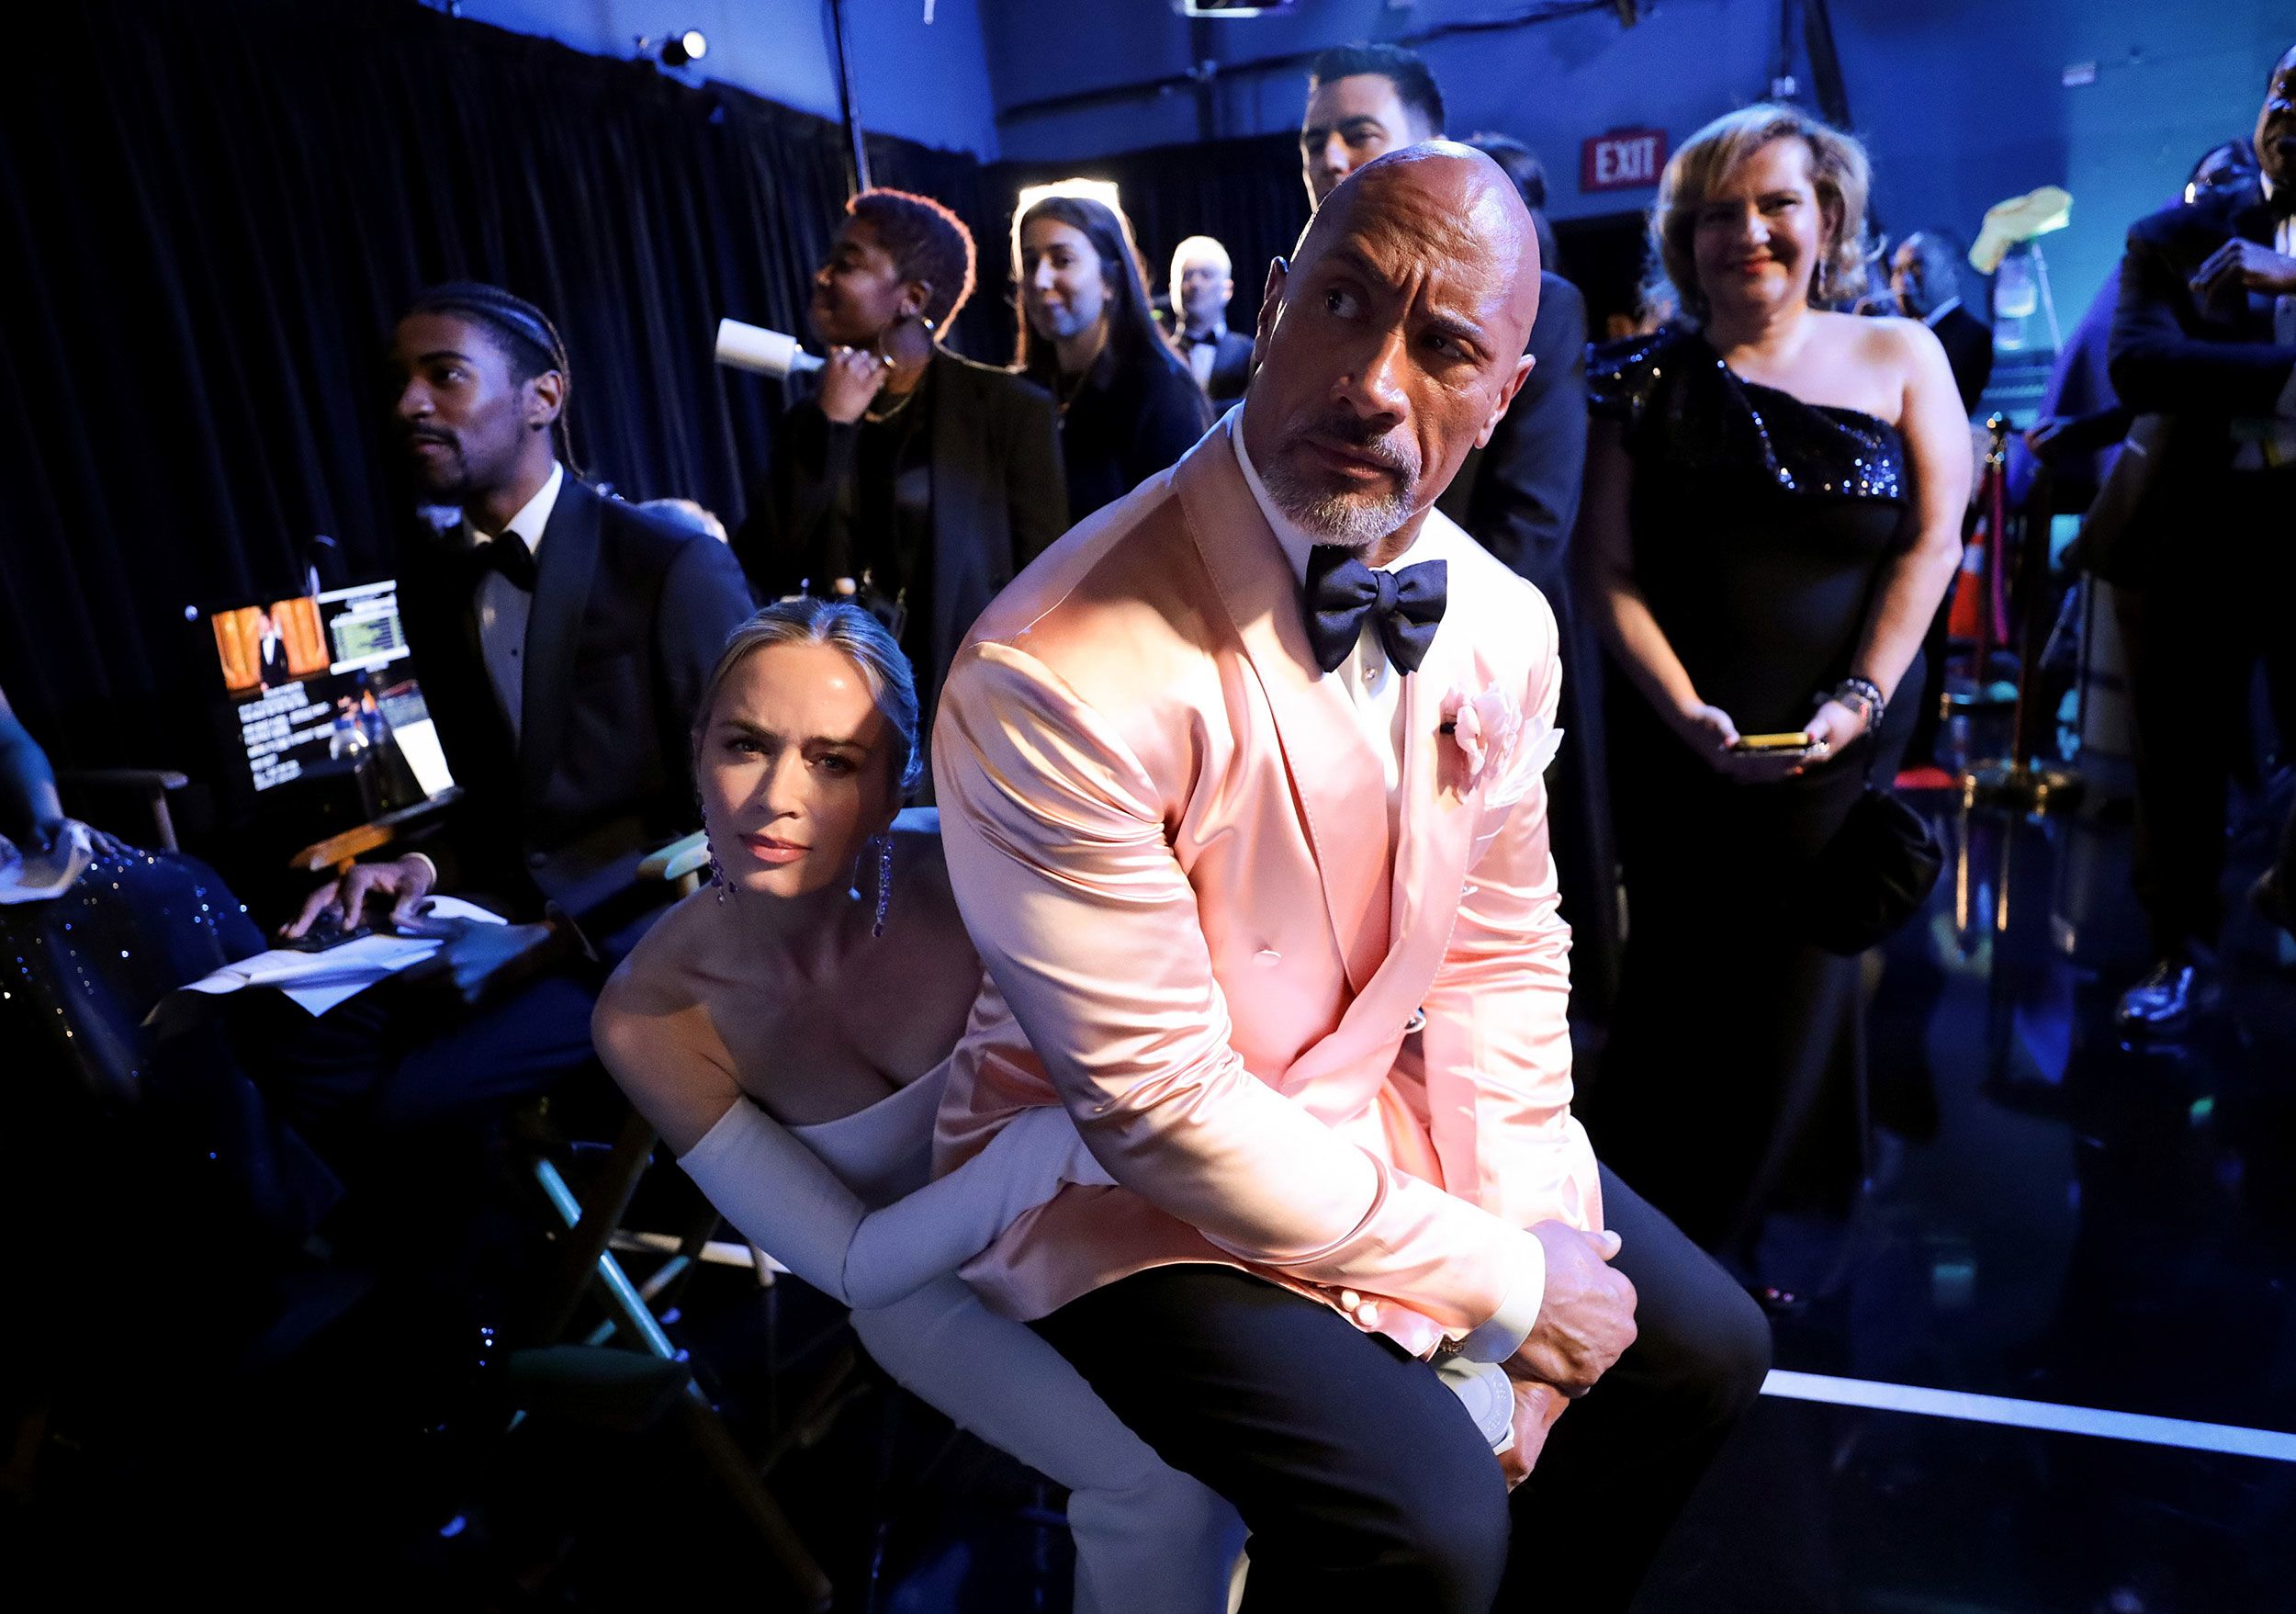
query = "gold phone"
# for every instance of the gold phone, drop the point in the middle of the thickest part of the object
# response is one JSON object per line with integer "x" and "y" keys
{"x": 1798, "y": 741}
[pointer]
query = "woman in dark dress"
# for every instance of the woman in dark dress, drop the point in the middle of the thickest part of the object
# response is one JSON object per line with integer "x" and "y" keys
{"x": 910, "y": 477}
{"x": 1772, "y": 515}
{"x": 1128, "y": 406}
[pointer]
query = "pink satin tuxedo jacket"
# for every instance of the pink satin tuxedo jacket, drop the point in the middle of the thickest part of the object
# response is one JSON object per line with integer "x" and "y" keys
{"x": 1337, "y": 1063}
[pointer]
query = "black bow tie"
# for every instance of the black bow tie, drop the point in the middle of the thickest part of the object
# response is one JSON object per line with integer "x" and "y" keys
{"x": 508, "y": 554}
{"x": 1406, "y": 607}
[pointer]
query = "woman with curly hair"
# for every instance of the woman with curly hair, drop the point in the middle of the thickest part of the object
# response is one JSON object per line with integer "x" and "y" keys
{"x": 1773, "y": 513}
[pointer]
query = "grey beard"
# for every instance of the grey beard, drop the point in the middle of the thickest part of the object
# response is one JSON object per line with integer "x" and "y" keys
{"x": 1349, "y": 521}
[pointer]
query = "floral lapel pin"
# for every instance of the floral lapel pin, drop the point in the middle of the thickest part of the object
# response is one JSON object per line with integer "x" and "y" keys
{"x": 1483, "y": 730}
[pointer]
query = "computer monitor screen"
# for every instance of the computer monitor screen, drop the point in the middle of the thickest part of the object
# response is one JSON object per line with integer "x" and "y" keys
{"x": 323, "y": 685}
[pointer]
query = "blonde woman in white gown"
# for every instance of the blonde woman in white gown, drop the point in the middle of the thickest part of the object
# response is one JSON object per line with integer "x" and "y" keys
{"x": 786, "y": 1030}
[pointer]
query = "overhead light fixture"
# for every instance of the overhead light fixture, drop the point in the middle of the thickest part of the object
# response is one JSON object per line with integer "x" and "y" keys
{"x": 676, "y": 50}
{"x": 1233, "y": 7}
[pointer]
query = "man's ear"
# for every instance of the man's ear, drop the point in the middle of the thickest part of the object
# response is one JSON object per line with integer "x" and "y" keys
{"x": 1506, "y": 396}
{"x": 545, "y": 399}
{"x": 917, "y": 296}
{"x": 1271, "y": 305}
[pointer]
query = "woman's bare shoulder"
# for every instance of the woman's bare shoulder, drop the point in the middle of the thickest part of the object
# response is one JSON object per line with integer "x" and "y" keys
{"x": 1890, "y": 340}
{"x": 657, "y": 981}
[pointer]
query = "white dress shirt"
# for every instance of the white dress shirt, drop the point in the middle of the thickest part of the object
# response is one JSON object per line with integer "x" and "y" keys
{"x": 1939, "y": 312}
{"x": 2271, "y": 444}
{"x": 1374, "y": 687}
{"x": 1203, "y": 351}
{"x": 503, "y": 606}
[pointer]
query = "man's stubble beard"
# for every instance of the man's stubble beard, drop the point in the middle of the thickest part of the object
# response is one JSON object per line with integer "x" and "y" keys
{"x": 1350, "y": 521}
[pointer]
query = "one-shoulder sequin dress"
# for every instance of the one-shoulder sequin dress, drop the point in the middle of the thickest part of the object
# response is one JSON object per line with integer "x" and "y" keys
{"x": 1733, "y": 1081}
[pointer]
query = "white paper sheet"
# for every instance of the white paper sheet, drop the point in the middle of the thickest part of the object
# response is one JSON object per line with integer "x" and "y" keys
{"x": 316, "y": 982}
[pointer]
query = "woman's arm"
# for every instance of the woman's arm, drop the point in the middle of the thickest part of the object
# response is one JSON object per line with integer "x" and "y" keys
{"x": 31, "y": 810}
{"x": 1605, "y": 545}
{"x": 785, "y": 1200}
{"x": 1914, "y": 582}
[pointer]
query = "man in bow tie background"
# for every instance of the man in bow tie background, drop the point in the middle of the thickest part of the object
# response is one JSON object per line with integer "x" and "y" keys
{"x": 562, "y": 639}
{"x": 561, "y": 636}
{"x": 1241, "y": 790}
{"x": 1202, "y": 283}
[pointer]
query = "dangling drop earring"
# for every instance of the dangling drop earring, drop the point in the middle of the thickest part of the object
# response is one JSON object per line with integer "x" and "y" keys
{"x": 885, "y": 882}
{"x": 717, "y": 870}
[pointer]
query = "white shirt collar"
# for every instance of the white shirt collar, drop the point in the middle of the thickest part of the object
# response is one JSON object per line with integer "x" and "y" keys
{"x": 1293, "y": 539}
{"x": 1216, "y": 333}
{"x": 530, "y": 520}
{"x": 1939, "y": 312}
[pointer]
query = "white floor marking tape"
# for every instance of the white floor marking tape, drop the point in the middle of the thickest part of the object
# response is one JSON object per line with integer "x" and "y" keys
{"x": 2033, "y": 1415}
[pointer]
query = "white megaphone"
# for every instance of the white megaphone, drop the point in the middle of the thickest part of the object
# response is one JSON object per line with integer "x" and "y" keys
{"x": 761, "y": 352}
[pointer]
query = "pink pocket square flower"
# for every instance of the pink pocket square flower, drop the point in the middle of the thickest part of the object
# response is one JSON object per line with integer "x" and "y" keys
{"x": 1486, "y": 729}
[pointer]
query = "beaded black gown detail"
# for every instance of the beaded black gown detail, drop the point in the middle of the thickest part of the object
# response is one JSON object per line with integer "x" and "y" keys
{"x": 1733, "y": 1082}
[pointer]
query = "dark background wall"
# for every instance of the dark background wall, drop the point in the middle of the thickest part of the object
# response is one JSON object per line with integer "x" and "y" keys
{"x": 205, "y": 242}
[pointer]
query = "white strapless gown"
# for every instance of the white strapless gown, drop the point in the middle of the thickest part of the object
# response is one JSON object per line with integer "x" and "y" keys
{"x": 847, "y": 1205}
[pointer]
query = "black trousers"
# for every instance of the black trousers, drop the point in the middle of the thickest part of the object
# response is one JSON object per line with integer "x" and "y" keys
{"x": 1363, "y": 1480}
{"x": 2194, "y": 642}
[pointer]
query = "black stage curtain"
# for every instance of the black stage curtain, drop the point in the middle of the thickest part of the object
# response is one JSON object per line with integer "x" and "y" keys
{"x": 1245, "y": 194}
{"x": 209, "y": 228}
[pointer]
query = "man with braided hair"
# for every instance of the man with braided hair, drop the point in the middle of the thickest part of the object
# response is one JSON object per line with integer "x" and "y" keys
{"x": 563, "y": 637}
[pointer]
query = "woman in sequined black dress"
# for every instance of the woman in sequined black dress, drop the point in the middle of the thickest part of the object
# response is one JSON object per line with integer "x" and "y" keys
{"x": 1773, "y": 506}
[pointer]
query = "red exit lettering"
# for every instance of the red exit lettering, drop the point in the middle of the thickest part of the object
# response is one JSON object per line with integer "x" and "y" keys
{"x": 1623, "y": 160}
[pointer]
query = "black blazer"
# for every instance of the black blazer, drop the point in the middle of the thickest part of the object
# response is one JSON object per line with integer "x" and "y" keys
{"x": 2202, "y": 366}
{"x": 1968, "y": 343}
{"x": 998, "y": 499}
{"x": 1519, "y": 496}
{"x": 1231, "y": 366}
{"x": 629, "y": 616}
{"x": 1126, "y": 423}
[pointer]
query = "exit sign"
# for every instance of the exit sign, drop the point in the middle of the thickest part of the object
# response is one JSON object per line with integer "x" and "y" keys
{"x": 1624, "y": 159}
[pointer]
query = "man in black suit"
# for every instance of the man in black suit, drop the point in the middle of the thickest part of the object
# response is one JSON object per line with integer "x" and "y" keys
{"x": 271, "y": 651}
{"x": 1203, "y": 280}
{"x": 1518, "y": 497}
{"x": 917, "y": 481}
{"x": 563, "y": 638}
{"x": 1925, "y": 279}
{"x": 2205, "y": 335}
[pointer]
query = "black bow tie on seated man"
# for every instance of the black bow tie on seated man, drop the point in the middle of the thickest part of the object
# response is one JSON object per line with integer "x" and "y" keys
{"x": 1406, "y": 607}
{"x": 508, "y": 554}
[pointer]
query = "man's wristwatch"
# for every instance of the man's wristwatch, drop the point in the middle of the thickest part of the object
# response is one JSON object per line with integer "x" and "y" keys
{"x": 1863, "y": 694}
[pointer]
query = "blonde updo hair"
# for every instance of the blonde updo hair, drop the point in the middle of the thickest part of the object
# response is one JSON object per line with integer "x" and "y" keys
{"x": 863, "y": 642}
{"x": 1839, "y": 172}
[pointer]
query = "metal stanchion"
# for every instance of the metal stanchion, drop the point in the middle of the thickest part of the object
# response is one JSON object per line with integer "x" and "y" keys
{"x": 1979, "y": 692}
{"x": 2021, "y": 780}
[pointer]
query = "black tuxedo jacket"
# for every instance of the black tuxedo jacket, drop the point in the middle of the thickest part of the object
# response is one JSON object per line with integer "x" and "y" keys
{"x": 998, "y": 499}
{"x": 1519, "y": 496}
{"x": 1231, "y": 366}
{"x": 2203, "y": 366}
{"x": 1968, "y": 343}
{"x": 629, "y": 616}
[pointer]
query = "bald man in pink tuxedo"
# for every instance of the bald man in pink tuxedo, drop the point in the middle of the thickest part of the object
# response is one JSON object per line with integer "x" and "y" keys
{"x": 1241, "y": 791}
